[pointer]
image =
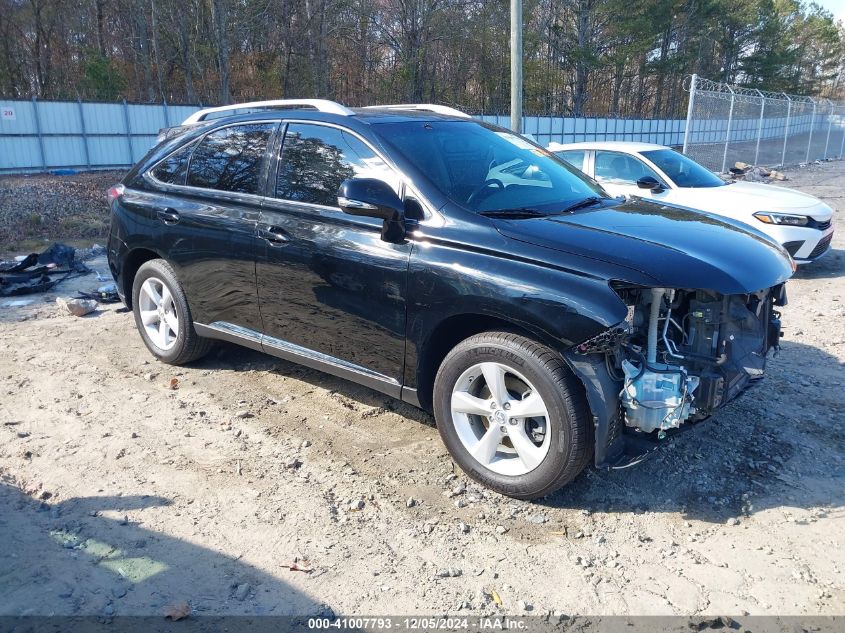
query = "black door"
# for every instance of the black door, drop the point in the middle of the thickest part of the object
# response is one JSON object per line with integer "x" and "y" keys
{"x": 211, "y": 219}
{"x": 329, "y": 288}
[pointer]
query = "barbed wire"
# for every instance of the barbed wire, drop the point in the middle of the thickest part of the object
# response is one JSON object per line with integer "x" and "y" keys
{"x": 720, "y": 90}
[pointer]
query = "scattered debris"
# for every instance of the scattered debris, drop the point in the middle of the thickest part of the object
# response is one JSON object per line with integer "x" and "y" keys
{"x": 242, "y": 591}
{"x": 77, "y": 307}
{"x": 750, "y": 173}
{"x": 177, "y": 611}
{"x": 174, "y": 383}
{"x": 496, "y": 597}
{"x": 303, "y": 565}
{"x": 39, "y": 272}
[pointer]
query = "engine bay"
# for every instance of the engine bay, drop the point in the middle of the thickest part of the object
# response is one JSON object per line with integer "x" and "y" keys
{"x": 682, "y": 354}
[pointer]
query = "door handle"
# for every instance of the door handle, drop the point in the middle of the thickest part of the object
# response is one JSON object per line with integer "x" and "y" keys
{"x": 168, "y": 216}
{"x": 273, "y": 236}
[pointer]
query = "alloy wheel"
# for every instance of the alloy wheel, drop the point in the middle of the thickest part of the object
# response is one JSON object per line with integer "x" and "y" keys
{"x": 158, "y": 313}
{"x": 501, "y": 419}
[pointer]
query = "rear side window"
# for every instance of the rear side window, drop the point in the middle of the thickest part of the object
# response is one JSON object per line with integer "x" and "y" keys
{"x": 316, "y": 159}
{"x": 232, "y": 158}
{"x": 172, "y": 169}
{"x": 573, "y": 157}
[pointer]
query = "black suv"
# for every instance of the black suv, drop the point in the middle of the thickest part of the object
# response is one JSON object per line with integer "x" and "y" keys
{"x": 451, "y": 264}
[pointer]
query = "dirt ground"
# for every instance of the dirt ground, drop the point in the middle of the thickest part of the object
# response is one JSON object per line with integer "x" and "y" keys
{"x": 122, "y": 495}
{"x": 37, "y": 208}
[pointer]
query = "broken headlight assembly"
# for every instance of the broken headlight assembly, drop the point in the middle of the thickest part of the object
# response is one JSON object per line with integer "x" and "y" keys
{"x": 681, "y": 354}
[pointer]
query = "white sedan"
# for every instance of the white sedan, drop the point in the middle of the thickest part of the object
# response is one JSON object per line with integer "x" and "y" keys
{"x": 801, "y": 223}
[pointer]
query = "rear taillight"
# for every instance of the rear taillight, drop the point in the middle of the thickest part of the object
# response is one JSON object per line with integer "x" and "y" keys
{"x": 115, "y": 192}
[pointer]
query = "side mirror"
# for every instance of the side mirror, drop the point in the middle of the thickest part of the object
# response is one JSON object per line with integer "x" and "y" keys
{"x": 374, "y": 198}
{"x": 650, "y": 182}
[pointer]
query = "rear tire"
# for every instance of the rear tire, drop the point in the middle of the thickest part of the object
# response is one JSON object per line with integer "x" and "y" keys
{"x": 482, "y": 387}
{"x": 163, "y": 317}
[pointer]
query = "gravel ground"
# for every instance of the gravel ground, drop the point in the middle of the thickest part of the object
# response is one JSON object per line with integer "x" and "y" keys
{"x": 42, "y": 207}
{"x": 247, "y": 485}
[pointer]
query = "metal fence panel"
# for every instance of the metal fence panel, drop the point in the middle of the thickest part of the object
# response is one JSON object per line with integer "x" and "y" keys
{"x": 729, "y": 124}
{"x": 44, "y": 135}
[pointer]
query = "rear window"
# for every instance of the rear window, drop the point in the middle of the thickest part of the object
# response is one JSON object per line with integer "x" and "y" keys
{"x": 232, "y": 158}
{"x": 172, "y": 170}
{"x": 574, "y": 157}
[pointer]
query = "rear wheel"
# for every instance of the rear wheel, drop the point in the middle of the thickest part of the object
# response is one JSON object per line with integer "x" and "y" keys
{"x": 512, "y": 414}
{"x": 163, "y": 317}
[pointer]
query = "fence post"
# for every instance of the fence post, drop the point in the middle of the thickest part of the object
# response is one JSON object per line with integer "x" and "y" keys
{"x": 38, "y": 133}
{"x": 128, "y": 131}
{"x": 812, "y": 123}
{"x": 84, "y": 133}
{"x": 728, "y": 131}
{"x": 829, "y": 125}
{"x": 166, "y": 112}
{"x": 842, "y": 147}
{"x": 690, "y": 104}
{"x": 760, "y": 126}
{"x": 786, "y": 128}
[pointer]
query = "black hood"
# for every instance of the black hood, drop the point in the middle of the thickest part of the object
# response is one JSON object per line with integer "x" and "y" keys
{"x": 672, "y": 246}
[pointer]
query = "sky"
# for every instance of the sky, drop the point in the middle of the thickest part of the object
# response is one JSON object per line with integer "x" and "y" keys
{"x": 836, "y": 7}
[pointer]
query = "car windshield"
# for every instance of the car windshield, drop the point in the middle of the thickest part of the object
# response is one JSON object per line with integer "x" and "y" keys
{"x": 488, "y": 169}
{"x": 683, "y": 171}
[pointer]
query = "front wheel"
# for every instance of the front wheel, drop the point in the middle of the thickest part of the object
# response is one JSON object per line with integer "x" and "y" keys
{"x": 163, "y": 317}
{"x": 512, "y": 414}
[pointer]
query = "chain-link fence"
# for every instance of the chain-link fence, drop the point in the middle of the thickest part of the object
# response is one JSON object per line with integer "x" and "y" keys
{"x": 729, "y": 124}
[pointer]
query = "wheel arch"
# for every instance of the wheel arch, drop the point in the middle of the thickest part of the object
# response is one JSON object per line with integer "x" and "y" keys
{"x": 457, "y": 327}
{"x": 134, "y": 259}
{"x": 600, "y": 390}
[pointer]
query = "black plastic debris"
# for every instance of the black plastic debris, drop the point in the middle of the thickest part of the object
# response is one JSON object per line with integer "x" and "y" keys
{"x": 103, "y": 296}
{"x": 40, "y": 272}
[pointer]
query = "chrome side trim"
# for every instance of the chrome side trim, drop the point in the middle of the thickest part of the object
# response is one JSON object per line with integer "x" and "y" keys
{"x": 355, "y": 204}
{"x": 231, "y": 333}
{"x": 411, "y": 396}
{"x": 301, "y": 355}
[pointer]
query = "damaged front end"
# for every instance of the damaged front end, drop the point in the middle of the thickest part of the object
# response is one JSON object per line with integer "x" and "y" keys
{"x": 678, "y": 356}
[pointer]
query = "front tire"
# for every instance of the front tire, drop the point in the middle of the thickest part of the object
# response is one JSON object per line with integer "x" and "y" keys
{"x": 163, "y": 317}
{"x": 512, "y": 415}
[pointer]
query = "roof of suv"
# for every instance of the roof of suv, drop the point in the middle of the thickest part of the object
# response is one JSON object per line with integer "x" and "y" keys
{"x": 283, "y": 107}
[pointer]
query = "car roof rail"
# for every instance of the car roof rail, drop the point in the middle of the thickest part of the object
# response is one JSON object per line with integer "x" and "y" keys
{"x": 321, "y": 105}
{"x": 428, "y": 107}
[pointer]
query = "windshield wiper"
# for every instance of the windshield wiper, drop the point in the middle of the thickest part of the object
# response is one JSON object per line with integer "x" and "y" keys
{"x": 524, "y": 212}
{"x": 586, "y": 202}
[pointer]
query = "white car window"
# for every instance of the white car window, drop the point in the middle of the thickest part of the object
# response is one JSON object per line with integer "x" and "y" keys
{"x": 574, "y": 157}
{"x": 620, "y": 169}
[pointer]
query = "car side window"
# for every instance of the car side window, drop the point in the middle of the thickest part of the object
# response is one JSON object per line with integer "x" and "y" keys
{"x": 231, "y": 159}
{"x": 574, "y": 157}
{"x": 172, "y": 170}
{"x": 620, "y": 169}
{"x": 316, "y": 159}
